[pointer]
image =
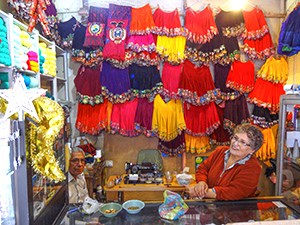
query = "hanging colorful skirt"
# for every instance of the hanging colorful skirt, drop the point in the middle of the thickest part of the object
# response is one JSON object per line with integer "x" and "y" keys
{"x": 141, "y": 25}
{"x": 221, "y": 74}
{"x": 117, "y": 30}
{"x": 266, "y": 94}
{"x": 88, "y": 87}
{"x": 197, "y": 144}
{"x": 200, "y": 26}
{"x": 289, "y": 37}
{"x": 98, "y": 14}
{"x": 84, "y": 55}
{"x": 138, "y": 43}
{"x": 241, "y": 76}
{"x": 66, "y": 32}
{"x": 168, "y": 119}
{"x": 263, "y": 118}
{"x": 196, "y": 85}
{"x": 145, "y": 81}
{"x": 258, "y": 43}
{"x": 220, "y": 136}
{"x": 93, "y": 119}
{"x": 268, "y": 149}
{"x": 167, "y": 23}
{"x": 115, "y": 83}
{"x": 201, "y": 120}
{"x": 95, "y": 32}
{"x": 274, "y": 70}
{"x": 236, "y": 112}
{"x": 213, "y": 51}
{"x": 171, "y": 49}
{"x": 144, "y": 58}
{"x": 143, "y": 117}
{"x": 173, "y": 147}
{"x": 171, "y": 76}
{"x": 122, "y": 118}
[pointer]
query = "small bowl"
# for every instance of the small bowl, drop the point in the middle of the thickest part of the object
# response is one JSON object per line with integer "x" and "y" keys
{"x": 110, "y": 209}
{"x": 183, "y": 180}
{"x": 110, "y": 184}
{"x": 133, "y": 206}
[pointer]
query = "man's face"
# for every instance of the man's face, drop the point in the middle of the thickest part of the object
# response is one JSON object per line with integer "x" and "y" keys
{"x": 77, "y": 163}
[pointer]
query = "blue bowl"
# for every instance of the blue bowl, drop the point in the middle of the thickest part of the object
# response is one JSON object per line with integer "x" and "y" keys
{"x": 133, "y": 206}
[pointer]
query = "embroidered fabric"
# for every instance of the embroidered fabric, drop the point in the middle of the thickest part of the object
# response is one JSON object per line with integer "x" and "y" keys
{"x": 235, "y": 112}
{"x": 274, "y": 70}
{"x": 200, "y": 26}
{"x": 122, "y": 118}
{"x": 93, "y": 119}
{"x": 173, "y": 147}
{"x": 143, "y": 117}
{"x": 115, "y": 83}
{"x": 168, "y": 119}
{"x": 201, "y": 120}
{"x": 196, "y": 85}
{"x": 266, "y": 94}
{"x": 289, "y": 37}
{"x": 197, "y": 145}
{"x": 145, "y": 81}
{"x": 241, "y": 76}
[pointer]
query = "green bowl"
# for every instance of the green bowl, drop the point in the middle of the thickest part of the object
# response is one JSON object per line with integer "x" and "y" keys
{"x": 133, "y": 206}
{"x": 110, "y": 209}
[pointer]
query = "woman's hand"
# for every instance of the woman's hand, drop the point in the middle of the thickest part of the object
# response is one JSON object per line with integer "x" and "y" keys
{"x": 199, "y": 190}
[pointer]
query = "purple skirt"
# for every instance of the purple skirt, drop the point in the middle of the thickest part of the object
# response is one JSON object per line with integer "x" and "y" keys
{"x": 115, "y": 83}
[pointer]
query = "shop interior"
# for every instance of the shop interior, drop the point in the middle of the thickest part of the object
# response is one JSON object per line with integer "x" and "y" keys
{"x": 104, "y": 116}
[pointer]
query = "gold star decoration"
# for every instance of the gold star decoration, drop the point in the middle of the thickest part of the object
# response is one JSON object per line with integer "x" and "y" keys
{"x": 20, "y": 99}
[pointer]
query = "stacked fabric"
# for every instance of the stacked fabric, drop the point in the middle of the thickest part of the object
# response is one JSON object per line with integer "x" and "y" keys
{"x": 17, "y": 46}
{"x": 50, "y": 61}
{"x": 4, "y": 49}
{"x": 4, "y": 83}
{"x": 42, "y": 53}
{"x": 41, "y": 61}
{"x": 49, "y": 55}
{"x": 25, "y": 45}
{"x": 30, "y": 81}
{"x": 33, "y": 61}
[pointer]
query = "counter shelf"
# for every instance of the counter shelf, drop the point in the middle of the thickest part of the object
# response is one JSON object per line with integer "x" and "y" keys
{"x": 203, "y": 212}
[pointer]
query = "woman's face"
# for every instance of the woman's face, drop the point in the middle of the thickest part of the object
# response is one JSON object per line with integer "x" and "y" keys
{"x": 240, "y": 145}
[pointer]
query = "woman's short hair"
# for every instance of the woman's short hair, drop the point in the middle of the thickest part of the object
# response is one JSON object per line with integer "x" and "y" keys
{"x": 254, "y": 134}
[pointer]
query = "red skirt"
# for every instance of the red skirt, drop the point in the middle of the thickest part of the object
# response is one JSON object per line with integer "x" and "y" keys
{"x": 171, "y": 78}
{"x": 200, "y": 26}
{"x": 266, "y": 94}
{"x": 241, "y": 76}
{"x": 196, "y": 85}
{"x": 122, "y": 118}
{"x": 201, "y": 120}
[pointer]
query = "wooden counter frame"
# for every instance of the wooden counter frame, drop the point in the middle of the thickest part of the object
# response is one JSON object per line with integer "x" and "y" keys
{"x": 145, "y": 192}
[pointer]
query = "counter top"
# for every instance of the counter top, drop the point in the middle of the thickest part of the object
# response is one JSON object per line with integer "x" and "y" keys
{"x": 204, "y": 212}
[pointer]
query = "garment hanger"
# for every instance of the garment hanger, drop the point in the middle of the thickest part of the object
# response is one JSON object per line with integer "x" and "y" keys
{"x": 198, "y": 5}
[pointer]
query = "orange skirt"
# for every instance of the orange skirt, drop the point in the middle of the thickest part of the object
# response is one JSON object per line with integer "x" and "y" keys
{"x": 144, "y": 24}
{"x": 266, "y": 94}
{"x": 93, "y": 119}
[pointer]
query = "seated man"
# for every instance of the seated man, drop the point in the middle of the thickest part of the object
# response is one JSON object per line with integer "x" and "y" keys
{"x": 77, "y": 185}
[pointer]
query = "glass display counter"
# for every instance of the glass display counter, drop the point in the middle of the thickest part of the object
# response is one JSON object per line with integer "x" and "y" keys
{"x": 203, "y": 212}
{"x": 288, "y": 154}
